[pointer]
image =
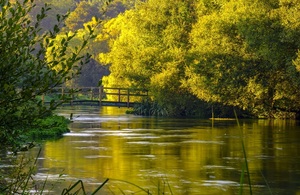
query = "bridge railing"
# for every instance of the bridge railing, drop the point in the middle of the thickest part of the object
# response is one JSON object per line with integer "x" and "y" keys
{"x": 101, "y": 94}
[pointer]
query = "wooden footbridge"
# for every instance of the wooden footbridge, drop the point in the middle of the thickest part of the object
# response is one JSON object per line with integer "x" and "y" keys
{"x": 97, "y": 96}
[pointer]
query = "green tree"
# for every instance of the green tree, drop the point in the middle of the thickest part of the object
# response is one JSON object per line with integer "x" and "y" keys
{"x": 26, "y": 72}
{"x": 244, "y": 55}
{"x": 83, "y": 13}
{"x": 90, "y": 72}
{"x": 148, "y": 47}
{"x": 237, "y": 53}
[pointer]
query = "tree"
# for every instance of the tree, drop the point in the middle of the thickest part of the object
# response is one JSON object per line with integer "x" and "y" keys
{"x": 243, "y": 55}
{"x": 83, "y": 13}
{"x": 148, "y": 47}
{"x": 26, "y": 72}
{"x": 238, "y": 53}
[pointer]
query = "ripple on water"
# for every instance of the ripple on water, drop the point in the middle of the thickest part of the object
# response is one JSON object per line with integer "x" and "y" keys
{"x": 104, "y": 131}
{"x": 219, "y": 183}
{"x": 91, "y": 148}
{"x": 218, "y": 167}
{"x": 141, "y": 129}
{"x": 264, "y": 157}
{"x": 85, "y": 141}
{"x": 97, "y": 156}
{"x": 139, "y": 142}
{"x": 72, "y": 134}
{"x": 95, "y": 119}
{"x": 203, "y": 142}
{"x": 128, "y": 135}
{"x": 151, "y": 137}
{"x": 44, "y": 176}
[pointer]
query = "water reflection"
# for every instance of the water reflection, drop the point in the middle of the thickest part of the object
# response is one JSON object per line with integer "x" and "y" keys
{"x": 190, "y": 155}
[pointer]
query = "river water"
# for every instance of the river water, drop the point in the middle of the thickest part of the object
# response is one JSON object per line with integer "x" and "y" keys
{"x": 171, "y": 156}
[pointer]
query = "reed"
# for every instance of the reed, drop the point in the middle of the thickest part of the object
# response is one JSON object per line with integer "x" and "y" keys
{"x": 245, "y": 168}
{"x": 79, "y": 188}
{"x": 163, "y": 187}
{"x": 21, "y": 180}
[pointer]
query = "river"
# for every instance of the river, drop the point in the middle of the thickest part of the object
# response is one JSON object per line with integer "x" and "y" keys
{"x": 171, "y": 156}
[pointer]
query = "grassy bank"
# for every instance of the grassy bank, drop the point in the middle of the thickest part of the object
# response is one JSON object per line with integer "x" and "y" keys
{"x": 52, "y": 127}
{"x": 22, "y": 169}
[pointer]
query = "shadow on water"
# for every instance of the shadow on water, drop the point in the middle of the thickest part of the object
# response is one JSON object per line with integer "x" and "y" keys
{"x": 190, "y": 155}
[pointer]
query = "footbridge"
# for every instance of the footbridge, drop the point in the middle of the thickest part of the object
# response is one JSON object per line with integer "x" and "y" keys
{"x": 96, "y": 96}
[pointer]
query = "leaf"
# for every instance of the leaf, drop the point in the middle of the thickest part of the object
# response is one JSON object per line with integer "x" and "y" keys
{"x": 58, "y": 17}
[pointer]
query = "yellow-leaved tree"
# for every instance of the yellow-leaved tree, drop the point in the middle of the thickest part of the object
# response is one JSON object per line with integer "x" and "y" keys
{"x": 245, "y": 55}
{"x": 148, "y": 49}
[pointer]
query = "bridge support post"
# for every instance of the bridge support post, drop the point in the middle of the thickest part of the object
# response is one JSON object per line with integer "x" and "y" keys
{"x": 100, "y": 94}
{"x": 128, "y": 98}
{"x": 72, "y": 96}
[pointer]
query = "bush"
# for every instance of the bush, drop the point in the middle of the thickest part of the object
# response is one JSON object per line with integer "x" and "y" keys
{"x": 52, "y": 127}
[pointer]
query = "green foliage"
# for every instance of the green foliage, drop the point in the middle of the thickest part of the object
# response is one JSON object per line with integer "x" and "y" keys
{"x": 83, "y": 13}
{"x": 149, "y": 108}
{"x": 148, "y": 50}
{"x": 28, "y": 69}
{"x": 52, "y": 127}
{"x": 238, "y": 53}
{"x": 243, "y": 58}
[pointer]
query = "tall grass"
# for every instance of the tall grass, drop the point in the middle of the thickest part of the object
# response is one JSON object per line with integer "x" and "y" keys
{"x": 162, "y": 187}
{"x": 78, "y": 188}
{"x": 21, "y": 180}
{"x": 245, "y": 168}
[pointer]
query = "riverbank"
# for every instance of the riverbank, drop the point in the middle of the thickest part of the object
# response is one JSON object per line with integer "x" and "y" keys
{"x": 52, "y": 127}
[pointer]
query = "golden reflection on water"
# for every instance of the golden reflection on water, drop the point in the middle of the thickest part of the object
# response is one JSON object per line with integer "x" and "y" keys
{"x": 188, "y": 154}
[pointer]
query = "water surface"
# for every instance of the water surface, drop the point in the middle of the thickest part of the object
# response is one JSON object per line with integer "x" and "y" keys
{"x": 182, "y": 156}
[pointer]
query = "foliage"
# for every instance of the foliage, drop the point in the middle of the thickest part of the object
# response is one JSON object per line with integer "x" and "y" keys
{"x": 49, "y": 128}
{"x": 80, "y": 14}
{"x": 149, "y": 108}
{"x": 26, "y": 69}
{"x": 148, "y": 50}
{"x": 83, "y": 13}
{"x": 243, "y": 55}
{"x": 237, "y": 53}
